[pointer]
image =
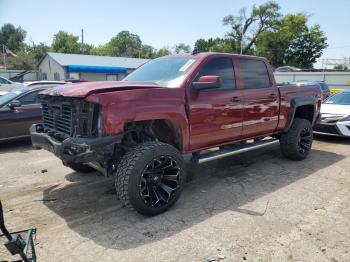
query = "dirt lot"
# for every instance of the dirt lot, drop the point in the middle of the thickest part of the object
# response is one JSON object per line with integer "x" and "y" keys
{"x": 255, "y": 207}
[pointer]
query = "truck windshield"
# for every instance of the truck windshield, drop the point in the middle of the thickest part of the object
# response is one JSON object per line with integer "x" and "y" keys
{"x": 166, "y": 71}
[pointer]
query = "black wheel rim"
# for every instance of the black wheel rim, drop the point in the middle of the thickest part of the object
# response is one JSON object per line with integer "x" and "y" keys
{"x": 305, "y": 141}
{"x": 160, "y": 181}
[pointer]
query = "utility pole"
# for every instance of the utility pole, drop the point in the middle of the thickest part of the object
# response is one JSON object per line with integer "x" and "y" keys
{"x": 4, "y": 53}
{"x": 242, "y": 33}
{"x": 82, "y": 41}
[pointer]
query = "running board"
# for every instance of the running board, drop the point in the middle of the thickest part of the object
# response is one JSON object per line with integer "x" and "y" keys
{"x": 234, "y": 150}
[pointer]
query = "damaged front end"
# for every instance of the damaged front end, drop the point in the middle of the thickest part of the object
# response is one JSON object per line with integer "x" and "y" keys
{"x": 72, "y": 130}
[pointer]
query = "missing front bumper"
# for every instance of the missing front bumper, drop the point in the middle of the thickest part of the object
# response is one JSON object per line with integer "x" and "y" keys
{"x": 75, "y": 150}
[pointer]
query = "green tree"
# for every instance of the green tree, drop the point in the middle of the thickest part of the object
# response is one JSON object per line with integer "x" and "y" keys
{"x": 215, "y": 45}
{"x": 249, "y": 28}
{"x": 164, "y": 51}
{"x": 307, "y": 48}
{"x": 340, "y": 67}
{"x": 64, "y": 42}
{"x": 37, "y": 51}
{"x": 23, "y": 61}
{"x": 125, "y": 44}
{"x": 201, "y": 45}
{"x": 147, "y": 52}
{"x": 273, "y": 44}
{"x": 102, "y": 50}
{"x": 12, "y": 37}
{"x": 182, "y": 48}
{"x": 292, "y": 42}
{"x": 86, "y": 49}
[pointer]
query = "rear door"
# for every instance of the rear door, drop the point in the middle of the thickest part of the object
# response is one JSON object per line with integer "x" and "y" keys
{"x": 16, "y": 122}
{"x": 216, "y": 114}
{"x": 261, "y": 99}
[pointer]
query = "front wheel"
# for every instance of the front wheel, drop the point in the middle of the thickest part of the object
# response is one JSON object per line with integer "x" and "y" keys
{"x": 296, "y": 143}
{"x": 150, "y": 177}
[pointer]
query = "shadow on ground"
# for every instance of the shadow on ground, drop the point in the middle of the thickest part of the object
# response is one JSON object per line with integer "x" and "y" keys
{"x": 332, "y": 139}
{"x": 90, "y": 208}
{"x": 23, "y": 145}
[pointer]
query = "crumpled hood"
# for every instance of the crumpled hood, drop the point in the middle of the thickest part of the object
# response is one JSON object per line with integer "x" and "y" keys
{"x": 87, "y": 88}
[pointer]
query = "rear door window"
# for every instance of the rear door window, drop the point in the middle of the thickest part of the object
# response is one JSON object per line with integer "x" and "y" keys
{"x": 255, "y": 74}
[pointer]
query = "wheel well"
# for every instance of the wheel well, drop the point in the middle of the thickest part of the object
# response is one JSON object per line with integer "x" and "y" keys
{"x": 306, "y": 112}
{"x": 158, "y": 129}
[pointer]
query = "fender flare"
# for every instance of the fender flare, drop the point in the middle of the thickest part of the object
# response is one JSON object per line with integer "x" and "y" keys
{"x": 297, "y": 102}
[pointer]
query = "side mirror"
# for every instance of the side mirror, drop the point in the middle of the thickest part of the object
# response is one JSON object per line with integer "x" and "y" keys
{"x": 207, "y": 82}
{"x": 14, "y": 104}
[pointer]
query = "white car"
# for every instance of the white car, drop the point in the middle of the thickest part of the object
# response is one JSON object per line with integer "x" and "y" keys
{"x": 335, "y": 115}
{"x": 5, "y": 85}
{"x": 44, "y": 82}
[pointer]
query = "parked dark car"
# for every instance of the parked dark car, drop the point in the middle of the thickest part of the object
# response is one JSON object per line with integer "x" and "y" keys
{"x": 19, "y": 109}
{"x": 323, "y": 86}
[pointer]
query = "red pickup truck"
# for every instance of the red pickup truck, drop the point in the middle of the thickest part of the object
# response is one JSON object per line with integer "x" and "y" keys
{"x": 139, "y": 129}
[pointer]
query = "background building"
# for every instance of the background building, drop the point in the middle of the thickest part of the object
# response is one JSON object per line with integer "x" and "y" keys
{"x": 333, "y": 79}
{"x": 58, "y": 66}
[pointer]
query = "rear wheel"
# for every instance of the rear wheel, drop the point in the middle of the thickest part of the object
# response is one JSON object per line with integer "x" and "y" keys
{"x": 150, "y": 177}
{"x": 296, "y": 143}
{"x": 81, "y": 168}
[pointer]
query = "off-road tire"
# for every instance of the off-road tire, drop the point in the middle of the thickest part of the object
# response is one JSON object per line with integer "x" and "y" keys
{"x": 290, "y": 141}
{"x": 81, "y": 168}
{"x": 130, "y": 170}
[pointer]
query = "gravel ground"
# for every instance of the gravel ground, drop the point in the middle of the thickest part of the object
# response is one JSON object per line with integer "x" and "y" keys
{"x": 254, "y": 207}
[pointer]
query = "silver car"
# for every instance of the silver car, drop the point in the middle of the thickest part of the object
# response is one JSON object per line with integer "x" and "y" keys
{"x": 335, "y": 115}
{"x": 5, "y": 85}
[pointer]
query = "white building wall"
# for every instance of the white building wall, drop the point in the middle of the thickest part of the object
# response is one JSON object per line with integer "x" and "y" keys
{"x": 333, "y": 79}
{"x": 50, "y": 67}
{"x": 93, "y": 77}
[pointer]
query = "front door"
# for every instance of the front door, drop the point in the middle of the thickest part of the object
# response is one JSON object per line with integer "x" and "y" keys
{"x": 216, "y": 114}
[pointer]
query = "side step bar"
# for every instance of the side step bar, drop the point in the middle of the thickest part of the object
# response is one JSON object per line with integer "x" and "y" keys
{"x": 234, "y": 150}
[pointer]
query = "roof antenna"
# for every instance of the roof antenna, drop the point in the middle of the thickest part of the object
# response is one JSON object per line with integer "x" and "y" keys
{"x": 195, "y": 51}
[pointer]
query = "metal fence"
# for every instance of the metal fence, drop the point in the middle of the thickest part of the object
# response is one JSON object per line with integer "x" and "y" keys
{"x": 335, "y": 80}
{"x": 27, "y": 75}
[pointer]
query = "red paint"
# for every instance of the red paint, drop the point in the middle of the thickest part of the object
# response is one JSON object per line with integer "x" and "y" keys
{"x": 205, "y": 119}
{"x": 209, "y": 79}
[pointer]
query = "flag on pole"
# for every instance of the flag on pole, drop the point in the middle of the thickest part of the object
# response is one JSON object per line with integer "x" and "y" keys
{"x": 9, "y": 52}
